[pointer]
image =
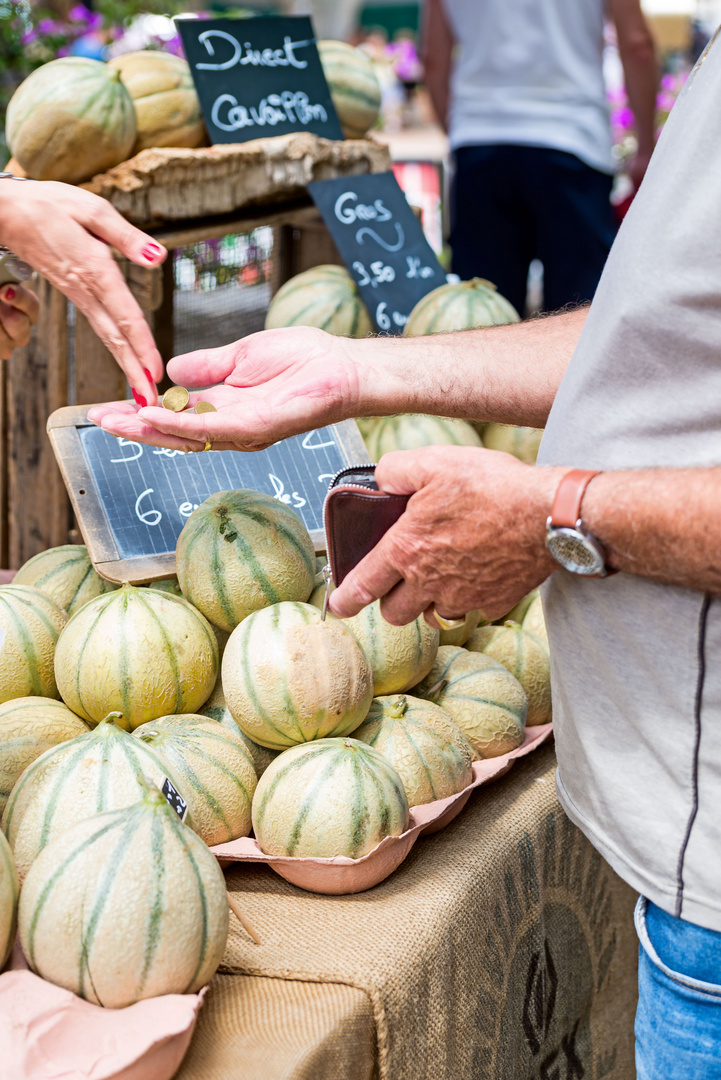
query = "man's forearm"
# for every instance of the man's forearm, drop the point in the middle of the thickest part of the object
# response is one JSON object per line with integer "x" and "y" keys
{"x": 509, "y": 374}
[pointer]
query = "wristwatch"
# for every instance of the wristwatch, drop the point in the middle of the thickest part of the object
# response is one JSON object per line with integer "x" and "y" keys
{"x": 572, "y": 546}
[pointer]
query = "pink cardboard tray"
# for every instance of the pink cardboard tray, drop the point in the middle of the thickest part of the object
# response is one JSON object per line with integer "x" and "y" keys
{"x": 48, "y": 1033}
{"x": 341, "y": 875}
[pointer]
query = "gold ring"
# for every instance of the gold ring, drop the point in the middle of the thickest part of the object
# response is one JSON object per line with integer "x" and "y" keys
{"x": 208, "y": 445}
{"x": 448, "y": 624}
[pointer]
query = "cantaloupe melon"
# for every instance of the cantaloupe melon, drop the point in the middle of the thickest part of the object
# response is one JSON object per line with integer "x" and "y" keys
{"x": 241, "y": 551}
{"x": 28, "y": 727}
{"x": 66, "y": 574}
{"x": 30, "y": 625}
{"x": 326, "y": 798}
{"x": 460, "y": 306}
{"x": 138, "y": 652}
{"x": 521, "y": 442}
{"x": 427, "y": 749}
{"x": 166, "y": 103}
{"x": 214, "y": 768}
{"x": 410, "y": 431}
{"x": 399, "y": 656}
{"x": 126, "y": 905}
{"x": 485, "y": 700}
{"x": 525, "y": 657}
{"x": 324, "y": 296}
{"x": 9, "y": 892}
{"x": 353, "y": 86}
{"x": 534, "y": 622}
{"x": 216, "y": 708}
{"x": 288, "y": 677}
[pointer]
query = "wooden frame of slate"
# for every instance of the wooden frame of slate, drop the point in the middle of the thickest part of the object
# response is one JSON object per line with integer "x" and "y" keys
{"x": 131, "y": 506}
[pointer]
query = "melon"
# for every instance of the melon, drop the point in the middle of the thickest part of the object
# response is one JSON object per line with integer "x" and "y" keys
{"x": 9, "y": 891}
{"x": 214, "y": 768}
{"x": 324, "y": 296}
{"x": 399, "y": 656}
{"x": 66, "y": 574}
{"x": 100, "y": 770}
{"x": 70, "y": 119}
{"x": 534, "y": 622}
{"x": 169, "y": 585}
{"x": 353, "y": 86}
{"x": 411, "y": 431}
{"x": 526, "y": 658}
{"x": 216, "y": 708}
{"x": 461, "y": 634}
{"x": 138, "y": 652}
{"x": 30, "y": 625}
{"x": 460, "y": 306}
{"x": 288, "y": 677}
{"x": 427, "y": 749}
{"x": 167, "y": 107}
{"x": 521, "y": 442}
{"x": 518, "y": 612}
{"x": 485, "y": 700}
{"x": 28, "y": 727}
{"x": 328, "y": 798}
{"x": 241, "y": 551}
{"x": 126, "y": 905}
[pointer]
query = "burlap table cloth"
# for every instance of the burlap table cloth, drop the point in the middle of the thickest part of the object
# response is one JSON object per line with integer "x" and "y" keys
{"x": 502, "y": 949}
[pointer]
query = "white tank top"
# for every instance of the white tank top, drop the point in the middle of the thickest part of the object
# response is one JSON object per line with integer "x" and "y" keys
{"x": 530, "y": 72}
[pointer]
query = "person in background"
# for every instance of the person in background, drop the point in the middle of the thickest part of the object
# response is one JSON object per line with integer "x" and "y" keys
{"x": 519, "y": 87}
{"x": 66, "y": 234}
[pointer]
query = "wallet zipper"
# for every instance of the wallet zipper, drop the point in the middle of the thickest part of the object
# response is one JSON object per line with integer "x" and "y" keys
{"x": 350, "y": 469}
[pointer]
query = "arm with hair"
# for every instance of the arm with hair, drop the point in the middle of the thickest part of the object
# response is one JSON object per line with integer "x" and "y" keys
{"x": 640, "y": 68}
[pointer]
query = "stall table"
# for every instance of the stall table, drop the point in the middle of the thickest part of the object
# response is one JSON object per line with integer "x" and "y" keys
{"x": 502, "y": 949}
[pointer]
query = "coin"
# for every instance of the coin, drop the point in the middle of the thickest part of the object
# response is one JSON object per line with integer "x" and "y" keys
{"x": 176, "y": 399}
{"x": 204, "y": 406}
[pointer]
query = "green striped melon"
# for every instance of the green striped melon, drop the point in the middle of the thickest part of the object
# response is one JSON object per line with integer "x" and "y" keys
{"x": 353, "y": 86}
{"x": 461, "y": 634}
{"x": 399, "y": 656}
{"x": 126, "y": 905}
{"x": 216, "y": 708}
{"x": 288, "y": 677}
{"x": 66, "y": 574}
{"x": 327, "y": 798}
{"x": 30, "y": 625}
{"x": 138, "y": 652}
{"x": 518, "y": 613}
{"x": 100, "y": 770}
{"x": 485, "y": 700}
{"x": 215, "y": 769}
{"x": 427, "y": 749}
{"x": 521, "y": 442}
{"x": 241, "y": 551}
{"x": 324, "y": 296}
{"x": 525, "y": 657}
{"x": 28, "y": 727}
{"x": 166, "y": 102}
{"x": 410, "y": 431}
{"x": 461, "y": 306}
{"x": 70, "y": 119}
{"x": 534, "y": 622}
{"x": 9, "y": 891}
{"x": 169, "y": 585}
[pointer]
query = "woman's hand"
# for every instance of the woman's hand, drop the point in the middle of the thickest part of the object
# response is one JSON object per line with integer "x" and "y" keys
{"x": 18, "y": 312}
{"x": 65, "y": 234}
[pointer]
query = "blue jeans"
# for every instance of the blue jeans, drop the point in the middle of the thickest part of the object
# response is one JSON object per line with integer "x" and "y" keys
{"x": 678, "y": 1021}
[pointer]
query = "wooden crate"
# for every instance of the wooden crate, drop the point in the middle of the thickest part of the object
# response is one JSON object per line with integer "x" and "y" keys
{"x": 240, "y": 189}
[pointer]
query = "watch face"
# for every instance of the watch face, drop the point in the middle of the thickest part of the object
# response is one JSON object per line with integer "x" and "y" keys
{"x": 575, "y": 551}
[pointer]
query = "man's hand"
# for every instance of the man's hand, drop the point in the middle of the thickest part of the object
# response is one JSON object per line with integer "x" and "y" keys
{"x": 472, "y": 536}
{"x": 64, "y": 233}
{"x": 18, "y": 312}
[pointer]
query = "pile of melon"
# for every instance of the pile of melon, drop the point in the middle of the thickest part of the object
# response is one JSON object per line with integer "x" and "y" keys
{"x": 75, "y": 117}
{"x": 139, "y": 726}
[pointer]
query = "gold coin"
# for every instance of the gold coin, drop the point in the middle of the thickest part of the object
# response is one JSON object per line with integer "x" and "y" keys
{"x": 204, "y": 406}
{"x": 176, "y": 399}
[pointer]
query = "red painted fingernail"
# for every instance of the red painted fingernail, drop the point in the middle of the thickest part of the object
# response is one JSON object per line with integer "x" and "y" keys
{"x": 151, "y": 252}
{"x": 9, "y": 294}
{"x": 148, "y": 376}
{"x": 139, "y": 399}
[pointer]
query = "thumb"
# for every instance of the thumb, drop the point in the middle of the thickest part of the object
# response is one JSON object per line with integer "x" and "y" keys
{"x": 401, "y": 472}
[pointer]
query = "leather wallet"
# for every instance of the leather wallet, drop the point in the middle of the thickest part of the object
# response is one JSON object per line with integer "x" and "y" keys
{"x": 356, "y": 515}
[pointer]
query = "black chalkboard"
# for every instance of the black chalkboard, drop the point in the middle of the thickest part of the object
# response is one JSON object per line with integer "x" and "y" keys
{"x": 258, "y": 77}
{"x": 132, "y": 500}
{"x": 382, "y": 244}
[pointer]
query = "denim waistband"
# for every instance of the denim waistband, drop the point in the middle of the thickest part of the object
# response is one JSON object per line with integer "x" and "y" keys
{"x": 695, "y": 936}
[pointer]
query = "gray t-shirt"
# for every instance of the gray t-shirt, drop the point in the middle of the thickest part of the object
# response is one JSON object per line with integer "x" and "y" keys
{"x": 637, "y": 664}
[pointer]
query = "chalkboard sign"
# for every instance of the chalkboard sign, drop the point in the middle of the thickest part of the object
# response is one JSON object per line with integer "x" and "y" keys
{"x": 258, "y": 77}
{"x": 382, "y": 244}
{"x": 132, "y": 500}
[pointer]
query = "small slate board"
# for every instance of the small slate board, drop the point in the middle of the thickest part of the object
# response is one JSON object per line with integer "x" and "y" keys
{"x": 258, "y": 77}
{"x": 132, "y": 500}
{"x": 382, "y": 244}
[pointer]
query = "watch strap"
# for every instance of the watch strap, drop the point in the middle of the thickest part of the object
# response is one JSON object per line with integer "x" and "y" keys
{"x": 566, "y": 509}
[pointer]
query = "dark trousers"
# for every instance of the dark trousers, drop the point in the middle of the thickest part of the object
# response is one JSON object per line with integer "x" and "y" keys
{"x": 513, "y": 204}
